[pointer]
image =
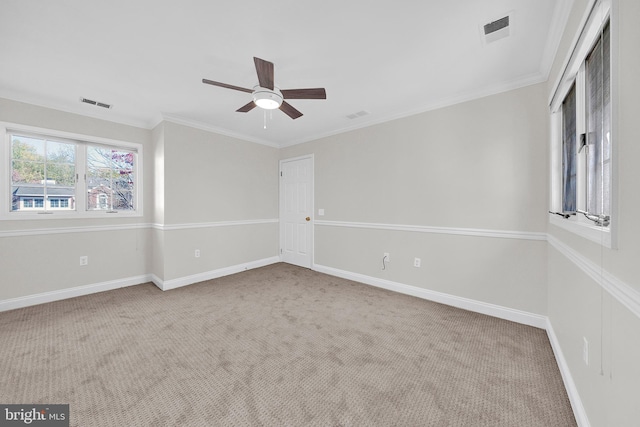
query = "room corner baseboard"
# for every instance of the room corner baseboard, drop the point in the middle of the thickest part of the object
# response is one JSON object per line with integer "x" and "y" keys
{"x": 518, "y": 316}
{"x": 572, "y": 391}
{"x": 41, "y": 298}
{"x": 156, "y": 281}
{"x": 29, "y": 300}
{"x": 166, "y": 285}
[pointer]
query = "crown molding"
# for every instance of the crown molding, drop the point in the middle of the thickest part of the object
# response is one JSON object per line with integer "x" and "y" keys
{"x": 460, "y": 98}
{"x": 214, "y": 129}
{"x": 157, "y": 119}
{"x": 82, "y": 110}
{"x": 554, "y": 37}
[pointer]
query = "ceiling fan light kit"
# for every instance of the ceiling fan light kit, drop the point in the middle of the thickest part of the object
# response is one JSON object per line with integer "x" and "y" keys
{"x": 267, "y": 99}
{"x": 266, "y": 96}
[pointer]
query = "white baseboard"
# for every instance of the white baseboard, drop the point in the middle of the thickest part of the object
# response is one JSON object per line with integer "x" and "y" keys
{"x": 498, "y": 311}
{"x": 518, "y": 316}
{"x": 29, "y": 300}
{"x": 166, "y": 285}
{"x": 501, "y": 312}
{"x": 567, "y": 378}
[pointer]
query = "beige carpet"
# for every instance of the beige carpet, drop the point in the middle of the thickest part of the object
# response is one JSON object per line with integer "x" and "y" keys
{"x": 278, "y": 346}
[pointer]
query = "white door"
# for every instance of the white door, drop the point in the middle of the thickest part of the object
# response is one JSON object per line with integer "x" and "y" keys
{"x": 296, "y": 211}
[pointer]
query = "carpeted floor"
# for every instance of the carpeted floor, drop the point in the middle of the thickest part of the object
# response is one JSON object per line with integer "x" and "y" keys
{"x": 278, "y": 346}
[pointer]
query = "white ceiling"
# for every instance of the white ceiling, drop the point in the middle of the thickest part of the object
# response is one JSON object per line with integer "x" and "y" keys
{"x": 148, "y": 58}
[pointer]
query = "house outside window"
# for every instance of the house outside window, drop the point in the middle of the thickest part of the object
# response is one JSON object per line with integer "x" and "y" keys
{"x": 110, "y": 179}
{"x": 66, "y": 174}
{"x": 40, "y": 168}
{"x": 59, "y": 203}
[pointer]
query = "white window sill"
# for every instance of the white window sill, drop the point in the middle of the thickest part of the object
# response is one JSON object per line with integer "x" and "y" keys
{"x": 594, "y": 233}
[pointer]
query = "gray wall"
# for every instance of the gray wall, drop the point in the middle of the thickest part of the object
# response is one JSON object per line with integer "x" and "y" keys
{"x": 47, "y": 260}
{"x": 220, "y": 196}
{"x": 582, "y": 275}
{"x": 480, "y": 165}
{"x": 464, "y": 188}
{"x": 201, "y": 191}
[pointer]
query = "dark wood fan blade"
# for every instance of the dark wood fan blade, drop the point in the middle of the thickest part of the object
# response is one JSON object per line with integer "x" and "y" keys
{"x": 265, "y": 72}
{"x": 289, "y": 110}
{"x": 315, "y": 93}
{"x": 242, "y": 89}
{"x": 245, "y": 108}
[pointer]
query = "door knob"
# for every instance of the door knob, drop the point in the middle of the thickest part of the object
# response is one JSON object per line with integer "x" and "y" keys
{"x": 308, "y": 218}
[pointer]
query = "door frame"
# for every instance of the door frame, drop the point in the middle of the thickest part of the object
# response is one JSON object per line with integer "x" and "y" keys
{"x": 280, "y": 206}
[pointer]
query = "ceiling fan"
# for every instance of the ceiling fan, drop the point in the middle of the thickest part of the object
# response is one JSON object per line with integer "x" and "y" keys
{"x": 267, "y": 96}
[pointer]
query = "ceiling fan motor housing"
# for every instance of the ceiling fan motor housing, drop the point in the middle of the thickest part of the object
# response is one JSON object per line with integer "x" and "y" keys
{"x": 267, "y": 98}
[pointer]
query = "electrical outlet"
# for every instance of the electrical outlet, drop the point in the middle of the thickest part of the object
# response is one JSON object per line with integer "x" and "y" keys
{"x": 84, "y": 260}
{"x": 585, "y": 350}
{"x": 417, "y": 262}
{"x": 197, "y": 253}
{"x": 386, "y": 257}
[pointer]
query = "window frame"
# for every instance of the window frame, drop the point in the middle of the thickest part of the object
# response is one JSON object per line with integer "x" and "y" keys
{"x": 80, "y": 206}
{"x": 589, "y": 32}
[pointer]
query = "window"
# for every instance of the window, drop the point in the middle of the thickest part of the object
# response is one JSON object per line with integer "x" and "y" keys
{"x": 40, "y": 167}
{"x": 569, "y": 176}
{"x": 598, "y": 134}
{"x": 110, "y": 179}
{"x": 58, "y": 173}
{"x": 582, "y": 134}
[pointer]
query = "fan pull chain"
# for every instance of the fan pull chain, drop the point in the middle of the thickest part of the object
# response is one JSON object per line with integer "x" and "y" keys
{"x": 265, "y": 117}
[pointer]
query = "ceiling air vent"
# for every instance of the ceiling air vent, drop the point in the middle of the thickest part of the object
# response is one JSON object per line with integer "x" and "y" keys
{"x": 357, "y": 115}
{"x": 96, "y": 103}
{"x": 496, "y": 30}
{"x": 494, "y": 26}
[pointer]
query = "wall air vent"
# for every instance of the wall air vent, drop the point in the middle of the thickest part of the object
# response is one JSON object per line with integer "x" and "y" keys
{"x": 497, "y": 29}
{"x": 96, "y": 103}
